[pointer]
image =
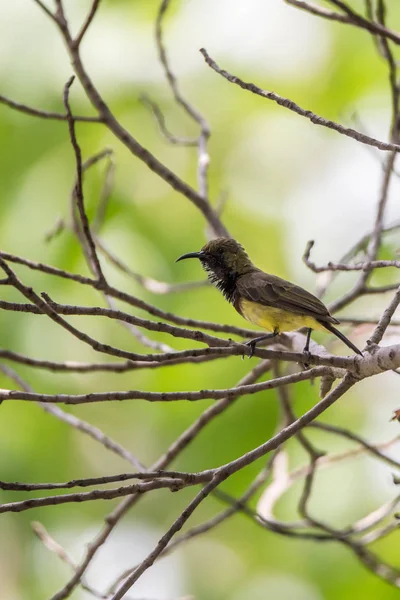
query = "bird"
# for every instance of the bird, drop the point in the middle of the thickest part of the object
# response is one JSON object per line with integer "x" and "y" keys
{"x": 265, "y": 300}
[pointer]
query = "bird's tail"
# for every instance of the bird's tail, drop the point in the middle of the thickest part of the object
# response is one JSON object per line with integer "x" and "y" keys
{"x": 341, "y": 336}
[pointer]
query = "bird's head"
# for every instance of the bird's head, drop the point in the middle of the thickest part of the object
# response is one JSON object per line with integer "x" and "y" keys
{"x": 222, "y": 258}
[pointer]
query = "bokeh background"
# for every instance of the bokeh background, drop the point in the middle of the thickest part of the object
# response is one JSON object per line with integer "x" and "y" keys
{"x": 286, "y": 181}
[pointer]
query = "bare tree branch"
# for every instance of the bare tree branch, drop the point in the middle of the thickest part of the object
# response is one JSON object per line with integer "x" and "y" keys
{"x": 78, "y": 190}
{"x": 350, "y": 18}
{"x": 292, "y": 106}
{"x": 44, "y": 114}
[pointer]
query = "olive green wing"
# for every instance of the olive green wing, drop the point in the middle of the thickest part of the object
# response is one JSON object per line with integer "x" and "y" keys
{"x": 273, "y": 291}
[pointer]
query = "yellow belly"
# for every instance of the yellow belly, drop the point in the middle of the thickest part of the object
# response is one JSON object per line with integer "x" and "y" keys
{"x": 272, "y": 319}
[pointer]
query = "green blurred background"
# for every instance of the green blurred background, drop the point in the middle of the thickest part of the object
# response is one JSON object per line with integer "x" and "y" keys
{"x": 286, "y": 181}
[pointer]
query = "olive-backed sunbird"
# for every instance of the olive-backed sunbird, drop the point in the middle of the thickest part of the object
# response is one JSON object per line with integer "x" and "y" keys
{"x": 263, "y": 299}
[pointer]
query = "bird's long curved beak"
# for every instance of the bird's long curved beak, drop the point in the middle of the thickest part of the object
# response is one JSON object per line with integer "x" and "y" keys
{"x": 190, "y": 255}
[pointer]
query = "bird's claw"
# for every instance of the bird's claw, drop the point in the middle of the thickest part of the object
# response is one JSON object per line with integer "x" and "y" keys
{"x": 306, "y": 358}
{"x": 252, "y": 346}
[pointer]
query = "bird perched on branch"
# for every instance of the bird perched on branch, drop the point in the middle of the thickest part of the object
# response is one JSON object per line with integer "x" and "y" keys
{"x": 263, "y": 299}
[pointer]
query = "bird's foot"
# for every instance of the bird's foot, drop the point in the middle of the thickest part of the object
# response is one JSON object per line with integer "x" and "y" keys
{"x": 253, "y": 343}
{"x": 252, "y": 346}
{"x": 306, "y": 358}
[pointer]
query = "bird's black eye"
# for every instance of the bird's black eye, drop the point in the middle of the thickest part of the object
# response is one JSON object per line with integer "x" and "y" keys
{"x": 220, "y": 251}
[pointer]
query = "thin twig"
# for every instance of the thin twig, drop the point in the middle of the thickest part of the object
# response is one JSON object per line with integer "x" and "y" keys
{"x": 360, "y": 266}
{"x": 203, "y": 157}
{"x": 87, "y": 23}
{"x": 350, "y": 18}
{"x": 308, "y": 114}
{"x": 44, "y": 114}
{"x": 384, "y": 321}
{"x": 163, "y": 396}
{"x": 160, "y": 120}
{"x": 78, "y": 189}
